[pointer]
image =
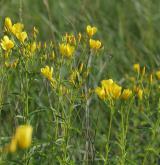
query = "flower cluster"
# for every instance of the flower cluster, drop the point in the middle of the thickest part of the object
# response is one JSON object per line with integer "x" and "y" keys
{"x": 111, "y": 90}
{"x": 68, "y": 45}
{"x": 16, "y": 29}
{"x": 66, "y": 50}
{"x": 94, "y": 44}
{"x": 15, "y": 40}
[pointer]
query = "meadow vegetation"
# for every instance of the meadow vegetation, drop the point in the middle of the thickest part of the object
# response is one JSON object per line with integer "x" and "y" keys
{"x": 79, "y": 82}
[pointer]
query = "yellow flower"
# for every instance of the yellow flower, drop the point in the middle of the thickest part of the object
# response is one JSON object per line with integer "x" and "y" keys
{"x": 158, "y": 74}
{"x": 109, "y": 90}
{"x": 39, "y": 45}
{"x": 143, "y": 71}
{"x": 136, "y": 68}
{"x": 17, "y": 28}
{"x": 35, "y": 32}
{"x": 66, "y": 50}
{"x": 79, "y": 37}
{"x": 151, "y": 78}
{"x": 107, "y": 85}
{"x": 140, "y": 94}
{"x": 21, "y": 139}
{"x": 100, "y": 92}
{"x": 112, "y": 89}
{"x": 23, "y": 136}
{"x": 6, "y": 43}
{"x": 95, "y": 44}
{"x": 8, "y": 24}
{"x": 126, "y": 94}
{"x": 47, "y": 72}
{"x": 91, "y": 30}
{"x": 21, "y": 36}
{"x": 33, "y": 47}
{"x": 116, "y": 91}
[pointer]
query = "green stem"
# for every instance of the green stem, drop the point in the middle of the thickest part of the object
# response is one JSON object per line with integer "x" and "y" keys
{"x": 108, "y": 136}
{"x": 87, "y": 113}
{"x": 26, "y": 92}
{"x": 123, "y": 138}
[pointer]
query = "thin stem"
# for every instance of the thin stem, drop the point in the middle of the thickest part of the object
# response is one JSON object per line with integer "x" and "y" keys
{"x": 123, "y": 138}
{"x": 26, "y": 92}
{"x": 108, "y": 136}
{"x": 87, "y": 113}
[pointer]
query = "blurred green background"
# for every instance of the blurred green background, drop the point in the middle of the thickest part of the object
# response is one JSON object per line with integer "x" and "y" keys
{"x": 129, "y": 29}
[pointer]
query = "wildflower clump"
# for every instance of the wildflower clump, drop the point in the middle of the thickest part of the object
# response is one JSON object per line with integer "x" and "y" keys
{"x": 67, "y": 101}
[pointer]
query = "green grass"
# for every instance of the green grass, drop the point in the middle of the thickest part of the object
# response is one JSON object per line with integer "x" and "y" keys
{"x": 129, "y": 29}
